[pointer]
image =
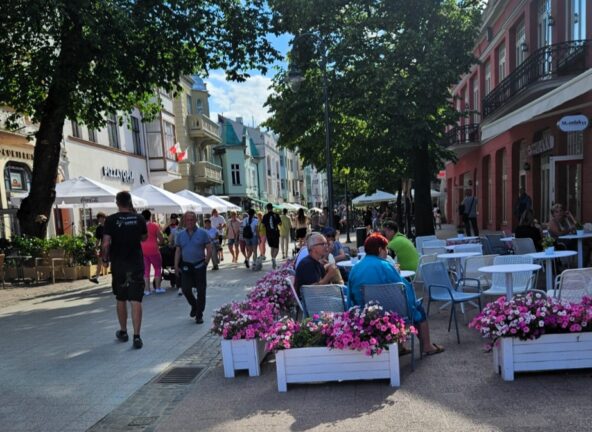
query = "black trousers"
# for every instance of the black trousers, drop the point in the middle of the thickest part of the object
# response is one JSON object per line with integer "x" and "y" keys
{"x": 471, "y": 221}
{"x": 194, "y": 275}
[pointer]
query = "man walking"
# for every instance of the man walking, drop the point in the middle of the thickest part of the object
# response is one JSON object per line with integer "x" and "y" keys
{"x": 523, "y": 203}
{"x": 285, "y": 228}
{"x": 192, "y": 256}
{"x": 272, "y": 223}
{"x": 122, "y": 237}
{"x": 470, "y": 213}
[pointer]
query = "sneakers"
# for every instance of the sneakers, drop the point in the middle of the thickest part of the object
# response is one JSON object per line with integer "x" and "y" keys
{"x": 160, "y": 290}
{"x": 215, "y": 267}
{"x": 199, "y": 320}
{"x": 247, "y": 263}
{"x": 180, "y": 292}
{"x": 147, "y": 293}
{"x": 94, "y": 279}
{"x": 273, "y": 263}
{"x": 138, "y": 342}
{"x": 121, "y": 335}
{"x": 193, "y": 312}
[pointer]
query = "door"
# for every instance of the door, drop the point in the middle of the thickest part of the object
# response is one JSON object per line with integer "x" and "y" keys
{"x": 566, "y": 177}
{"x": 545, "y": 208}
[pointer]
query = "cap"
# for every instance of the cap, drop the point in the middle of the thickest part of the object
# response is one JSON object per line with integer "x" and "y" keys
{"x": 328, "y": 231}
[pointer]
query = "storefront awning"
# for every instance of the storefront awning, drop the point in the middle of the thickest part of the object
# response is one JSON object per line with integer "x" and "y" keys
{"x": 562, "y": 94}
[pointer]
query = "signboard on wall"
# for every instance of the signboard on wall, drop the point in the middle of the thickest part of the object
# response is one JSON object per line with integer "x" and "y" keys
{"x": 573, "y": 123}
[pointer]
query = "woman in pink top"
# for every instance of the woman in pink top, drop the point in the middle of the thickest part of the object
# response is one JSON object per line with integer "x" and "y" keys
{"x": 152, "y": 254}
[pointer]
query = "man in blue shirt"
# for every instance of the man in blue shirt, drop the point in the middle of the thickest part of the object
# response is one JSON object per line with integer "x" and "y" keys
{"x": 192, "y": 256}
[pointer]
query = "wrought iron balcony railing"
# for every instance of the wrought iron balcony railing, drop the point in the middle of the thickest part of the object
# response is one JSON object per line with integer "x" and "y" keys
{"x": 461, "y": 135}
{"x": 552, "y": 61}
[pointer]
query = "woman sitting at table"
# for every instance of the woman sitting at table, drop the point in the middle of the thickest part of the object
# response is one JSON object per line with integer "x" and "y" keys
{"x": 562, "y": 223}
{"x": 528, "y": 229}
{"x": 375, "y": 269}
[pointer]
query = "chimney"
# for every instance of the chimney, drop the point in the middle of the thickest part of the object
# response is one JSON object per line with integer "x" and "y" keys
{"x": 239, "y": 120}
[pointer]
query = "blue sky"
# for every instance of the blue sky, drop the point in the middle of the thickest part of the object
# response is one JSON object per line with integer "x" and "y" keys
{"x": 244, "y": 99}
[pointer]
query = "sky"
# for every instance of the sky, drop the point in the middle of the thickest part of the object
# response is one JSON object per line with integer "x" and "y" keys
{"x": 245, "y": 99}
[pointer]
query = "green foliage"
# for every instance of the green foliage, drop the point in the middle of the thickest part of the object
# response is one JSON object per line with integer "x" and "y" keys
{"x": 29, "y": 246}
{"x": 80, "y": 249}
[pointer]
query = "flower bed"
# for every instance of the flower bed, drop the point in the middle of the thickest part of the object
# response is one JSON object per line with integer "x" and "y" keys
{"x": 339, "y": 346}
{"x": 534, "y": 333}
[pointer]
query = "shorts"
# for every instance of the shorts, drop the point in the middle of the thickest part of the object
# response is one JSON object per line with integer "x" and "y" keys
{"x": 301, "y": 233}
{"x": 252, "y": 241}
{"x": 221, "y": 238}
{"x": 127, "y": 282}
{"x": 231, "y": 242}
{"x": 273, "y": 239}
{"x": 156, "y": 262}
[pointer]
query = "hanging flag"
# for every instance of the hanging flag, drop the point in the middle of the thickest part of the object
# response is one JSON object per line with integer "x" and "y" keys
{"x": 181, "y": 156}
{"x": 175, "y": 149}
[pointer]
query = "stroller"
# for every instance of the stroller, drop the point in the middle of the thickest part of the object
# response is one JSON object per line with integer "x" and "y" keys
{"x": 167, "y": 254}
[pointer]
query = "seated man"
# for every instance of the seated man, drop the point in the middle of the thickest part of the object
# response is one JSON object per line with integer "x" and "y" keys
{"x": 311, "y": 270}
{"x": 375, "y": 269}
{"x": 401, "y": 246}
{"x": 335, "y": 247}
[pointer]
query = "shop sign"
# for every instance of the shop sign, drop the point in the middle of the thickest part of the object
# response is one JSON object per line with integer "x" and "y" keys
{"x": 16, "y": 154}
{"x": 538, "y": 147}
{"x": 573, "y": 123}
{"x": 442, "y": 174}
{"x": 124, "y": 175}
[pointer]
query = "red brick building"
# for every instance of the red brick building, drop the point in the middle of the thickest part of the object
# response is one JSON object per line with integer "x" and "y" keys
{"x": 535, "y": 71}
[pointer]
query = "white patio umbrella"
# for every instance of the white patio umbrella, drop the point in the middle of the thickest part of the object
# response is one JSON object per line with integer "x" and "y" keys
{"x": 229, "y": 206}
{"x": 207, "y": 205}
{"x": 377, "y": 197}
{"x": 163, "y": 201}
{"x": 85, "y": 193}
{"x": 433, "y": 193}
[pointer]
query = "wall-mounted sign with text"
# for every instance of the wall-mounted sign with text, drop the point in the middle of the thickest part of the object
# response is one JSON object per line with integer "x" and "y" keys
{"x": 573, "y": 123}
{"x": 124, "y": 175}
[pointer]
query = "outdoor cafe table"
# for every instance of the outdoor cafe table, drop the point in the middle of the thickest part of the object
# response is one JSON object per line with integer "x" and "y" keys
{"x": 456, "y": 257}
{"x": 348, "y": 264}
{"x": 548, "y": 257}
{"x": 507, "y": 239}
{"x": 580, "y": 239}
{"x": 509, "y": 270}
{"x": 462, "y": 240}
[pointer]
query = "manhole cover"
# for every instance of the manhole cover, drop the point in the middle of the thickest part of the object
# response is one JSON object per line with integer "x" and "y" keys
{"x": 179, "y": 375}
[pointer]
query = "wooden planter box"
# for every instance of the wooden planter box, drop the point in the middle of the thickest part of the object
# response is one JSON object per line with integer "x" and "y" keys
{"x": 549, "y": 352}
{"x": 70, "y": 273}
{"x": 316, "y": 364}
{"x": 242, "y": 354}
{"x": 86, "y": 271}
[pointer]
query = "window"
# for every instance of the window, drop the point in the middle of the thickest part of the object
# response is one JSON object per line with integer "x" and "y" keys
{"x": 138, "y": 149}
{"x": 282, "y": 160}
{"x": 189, "y": 104}
{"x": 169, "y": 139}
{"x": 277, "y": 170}
{"x": 198, "y": 107}
{"x": 475, "y": 86}
{"x": 112, "y": 131}
{"x": 487, "y": 78}
{"x": 521, "y": 46}
{"x": 17, "y": 177}
{"x": 76, "y": 129}
{"x": 576, "y": 15}
{"x": 235, "y": 170}
{"x": 268, "y": 166}
{"x": 501, "y": 63}
{"x": 92, "y": 135}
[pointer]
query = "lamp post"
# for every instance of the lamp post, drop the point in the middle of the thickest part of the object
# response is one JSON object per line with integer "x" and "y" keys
{"x": 294, "y": 79}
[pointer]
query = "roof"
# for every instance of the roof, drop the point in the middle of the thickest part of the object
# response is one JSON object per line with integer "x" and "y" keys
{"x": 198, "y": 84}
{"x": 232, "y": 131}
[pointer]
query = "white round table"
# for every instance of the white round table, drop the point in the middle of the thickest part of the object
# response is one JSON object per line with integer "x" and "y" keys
{"x": 509, "y": 270}
{"x": 507, "y": 239}
{"x": 346, "y": 264}
{"x": 580, "y": 239}
{"x": 548, "y": 267}
{"x": 407, "y": 273}
{"x": 457, "y": 257}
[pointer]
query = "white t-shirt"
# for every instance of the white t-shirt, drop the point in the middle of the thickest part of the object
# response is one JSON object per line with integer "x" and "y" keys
{"x": 218, "y": 222}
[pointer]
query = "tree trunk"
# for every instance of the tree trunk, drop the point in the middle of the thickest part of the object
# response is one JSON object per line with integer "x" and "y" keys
{"x": 424, "y": 222}
{"x": 35, "y": 209}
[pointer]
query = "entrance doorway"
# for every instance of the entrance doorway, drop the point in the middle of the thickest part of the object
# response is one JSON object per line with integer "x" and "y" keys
{"x": 545, "y": 208}
{"x": 566, "y": 178}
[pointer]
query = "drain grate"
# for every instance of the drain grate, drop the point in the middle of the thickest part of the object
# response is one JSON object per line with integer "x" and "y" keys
{"x": 179, "y": 375}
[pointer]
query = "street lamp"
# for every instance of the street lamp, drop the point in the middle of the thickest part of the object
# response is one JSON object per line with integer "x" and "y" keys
{"x": 295, "y": 78}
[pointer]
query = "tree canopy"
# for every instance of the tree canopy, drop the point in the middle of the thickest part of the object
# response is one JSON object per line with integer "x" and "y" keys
{"x": 390, "y": 65}
{"x": 80, "y": 59}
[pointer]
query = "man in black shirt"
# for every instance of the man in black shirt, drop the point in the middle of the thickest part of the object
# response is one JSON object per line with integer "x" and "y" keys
{"x": 311, "y": 270}
{"x": 272, "y": 221}
{"x": 123, "y": 234}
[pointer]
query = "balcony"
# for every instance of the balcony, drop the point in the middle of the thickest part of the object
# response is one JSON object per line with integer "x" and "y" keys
{"x": 207, "y": 173}
{"x": 206, "y": 131}
{"x": 462, "y": 139}
{"x": 542, "y": 70}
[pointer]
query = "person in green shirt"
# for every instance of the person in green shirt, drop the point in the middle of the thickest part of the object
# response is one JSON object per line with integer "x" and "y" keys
{"x": 285, "y": 228}
{"x": 402, "y": 247}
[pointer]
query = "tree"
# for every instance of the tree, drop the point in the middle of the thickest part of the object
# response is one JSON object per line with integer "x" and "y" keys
{"x": 80, "y": 59}
{"x": 392, "y": 63}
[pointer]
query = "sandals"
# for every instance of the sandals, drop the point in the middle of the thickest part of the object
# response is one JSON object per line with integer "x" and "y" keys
{"x": 404, "y": 351}
{"x": 438, "y": 349}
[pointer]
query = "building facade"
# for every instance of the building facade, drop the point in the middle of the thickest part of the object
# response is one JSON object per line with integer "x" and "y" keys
{"x": 529, "y": 101}
{"x": 197, "y": 134}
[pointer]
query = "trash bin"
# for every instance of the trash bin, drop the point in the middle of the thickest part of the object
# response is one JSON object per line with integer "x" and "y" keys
{"x": 360, "y": 236}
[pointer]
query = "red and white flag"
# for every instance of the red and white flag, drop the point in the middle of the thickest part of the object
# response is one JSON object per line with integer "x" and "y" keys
{"x": 176, "y": 149}
{"x": 181, "y": 156}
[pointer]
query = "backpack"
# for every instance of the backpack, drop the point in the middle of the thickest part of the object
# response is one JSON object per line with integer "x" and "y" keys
{"x": 247, "y": 230}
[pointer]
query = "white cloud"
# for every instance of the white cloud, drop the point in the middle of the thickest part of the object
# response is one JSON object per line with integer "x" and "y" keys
{"x": 234, "y": 99}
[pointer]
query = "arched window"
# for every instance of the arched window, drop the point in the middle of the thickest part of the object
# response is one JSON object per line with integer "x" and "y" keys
{"x": 17, "y": 178}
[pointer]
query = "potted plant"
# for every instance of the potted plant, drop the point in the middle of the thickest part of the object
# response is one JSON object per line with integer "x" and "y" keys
{"x": 242, "y": 326}
{"x": 579, "y": 228}
{"x": 536, "y": 333}
{"x": 548, "y": 244}
{"x": 361, "y": 343}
